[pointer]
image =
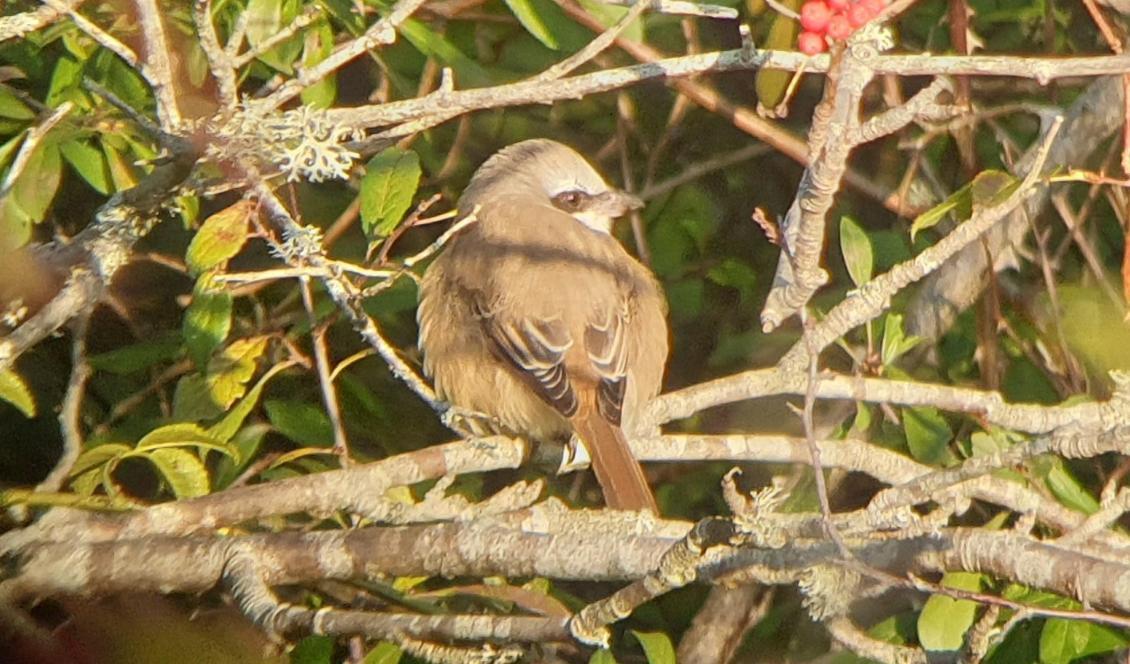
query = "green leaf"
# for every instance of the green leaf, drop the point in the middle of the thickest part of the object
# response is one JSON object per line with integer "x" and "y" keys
{"x": 207, "y": 320}
{"x": 469, "y": 73}
{"x": 313, "y": 650}
{"x": 319, "y": 43}
{"x": 302, "y": 422}
{"x": 383, "y": 653}
{"x": 121, "y": 169}
{"x": 944, "y": 620}
{"x": 183, "y": 470}
{"x": 192, "y": 400}
{"x": 204, "y": 396}
{"x": 1068, "y": 490}
{"x": 927, "y": 435}
{"x": 220, "y": 237}
{"x": 12, "y": 107}
{"x": 992, "y": 187}
{"x": 227, "y": 427}
{"x": 65, "y": 81}
{"x": 609, "y": 14}
{"x": 231, "y": 369}
{"x": 89, "y": 162}
{"x": 931, "y": 217}
{"x": 139, "y": 356}
{"x": 548, "y": 23}
{"x": 657, "y": 647}
{"x": 857, "y": 252}
{"x": 1015, "y": 592}
{"x": 245, "y": 443}
{"x": 1063, "y": 641}
{"x": 988, "y": 188}
{"x": 602, "y": 656}
{"x": 264, "y": 20}
{"x": 771, "y": 84}
{"x": 387, "y": 189}
{"x": 97, "y": 456}
{"x": 182, "y": 434}
{"x": 899, "y": 629}
{"x": 895, "y": 341}
{"x": 735, "y": 274}
{"x": 14, "y": 390}
{"x": 36, "y": 185}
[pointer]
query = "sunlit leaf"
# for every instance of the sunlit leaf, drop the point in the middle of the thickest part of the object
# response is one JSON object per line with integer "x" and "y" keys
{"x": 1063, "y": 641}
{"x": 390, "y": 183}
{"x": 89, "y": 162}
{"x": 11, "y": 106}
{"x": 226, "y": 428}
{"x": 183, "y": 470}
{"x": 317, "y": 44}
{"x": 548, "y": 23}
{"x": 1067, "y": 488}
{"x": 383, "y": 653}
{"x": 857, "y": 252}
{"x": 657, "y": 647}
{"x": 895, "y": 341}
{"x": 220, "y": 237}
{"x": 944, "y": 621}
{"x": 15, "y": 391}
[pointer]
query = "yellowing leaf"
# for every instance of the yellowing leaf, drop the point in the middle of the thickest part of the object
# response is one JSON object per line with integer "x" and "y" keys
{"x": 183, "y": 470}
{"x": 220, "y": 237}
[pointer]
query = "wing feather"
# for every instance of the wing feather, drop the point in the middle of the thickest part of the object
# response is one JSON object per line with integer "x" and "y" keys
{"x": 606, "y": 344}
{"x": 536, "y": 348}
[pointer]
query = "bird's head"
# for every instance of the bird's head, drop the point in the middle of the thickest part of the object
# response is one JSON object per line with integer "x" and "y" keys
{"x": 553, "y": 174}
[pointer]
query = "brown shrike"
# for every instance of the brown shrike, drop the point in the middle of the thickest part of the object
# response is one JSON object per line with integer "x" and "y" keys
{"x": 535, "y": 316}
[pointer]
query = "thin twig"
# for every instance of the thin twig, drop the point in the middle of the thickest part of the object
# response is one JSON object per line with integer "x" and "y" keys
{"x": 684, "y": 8}
{"x": 158, "y": 63}
{"x": 305, "y": 18}
{"x": 70, "y": 415}
{"x": 382, "y": 32}
{"x": 325, "y": 379}
{"x": 31, "y": 141}
{"x": 598, "y": 44}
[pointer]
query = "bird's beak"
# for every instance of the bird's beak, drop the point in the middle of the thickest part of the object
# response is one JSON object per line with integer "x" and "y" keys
{"x": 616, "y": 203}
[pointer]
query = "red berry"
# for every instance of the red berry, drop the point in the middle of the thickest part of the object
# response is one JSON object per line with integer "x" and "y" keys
{"x": 873, "y": 6}
{"x": 811, "y": 43}
{"x": 839, "y": 28}
{"x": 838, "y": 5}
{"x": 814, "y": 16}
{"x": 859, "y": 14}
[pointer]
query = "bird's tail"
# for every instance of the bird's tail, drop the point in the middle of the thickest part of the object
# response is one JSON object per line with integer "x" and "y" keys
{"x": 621, "y": 477}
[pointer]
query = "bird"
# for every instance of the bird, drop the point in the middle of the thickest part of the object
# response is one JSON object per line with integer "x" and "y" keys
{"x": 536, "y": 317}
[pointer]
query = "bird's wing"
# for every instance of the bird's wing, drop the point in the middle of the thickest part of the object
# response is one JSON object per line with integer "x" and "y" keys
{"x": 606, "y": 345}
{"x": 536, "y": 348}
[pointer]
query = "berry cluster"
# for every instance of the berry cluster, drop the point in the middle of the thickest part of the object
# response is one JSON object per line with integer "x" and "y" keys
{"x": 833, "y": 19}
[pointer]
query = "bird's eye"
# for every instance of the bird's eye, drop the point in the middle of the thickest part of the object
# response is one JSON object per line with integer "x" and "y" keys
{"x": 571, "y": 200}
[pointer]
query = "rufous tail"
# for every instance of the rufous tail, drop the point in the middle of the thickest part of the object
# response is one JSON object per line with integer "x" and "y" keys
{"x": 621, "y": 477}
